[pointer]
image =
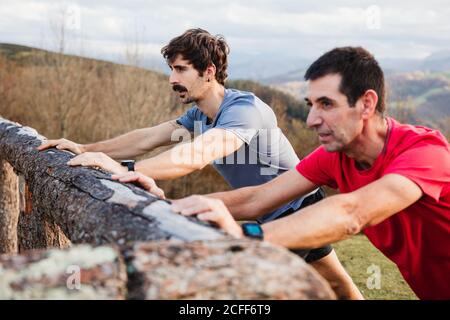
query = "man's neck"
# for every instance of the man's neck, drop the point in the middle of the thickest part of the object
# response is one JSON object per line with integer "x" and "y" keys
{"x": 366, "y": 149}
{"x": 212, "y": 100}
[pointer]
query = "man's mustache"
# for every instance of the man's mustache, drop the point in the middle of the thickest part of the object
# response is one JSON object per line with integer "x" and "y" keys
{"x": 179, "y": 88}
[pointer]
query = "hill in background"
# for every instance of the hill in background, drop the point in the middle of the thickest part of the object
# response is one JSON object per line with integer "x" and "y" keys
{"x": 87, "y": 100}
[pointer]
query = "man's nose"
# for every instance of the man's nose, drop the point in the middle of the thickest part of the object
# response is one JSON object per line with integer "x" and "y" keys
{"x": 313, "y": 119}
{"x": 173, "y": 79}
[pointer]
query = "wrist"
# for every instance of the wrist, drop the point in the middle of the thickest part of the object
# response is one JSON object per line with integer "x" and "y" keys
{"x": 83, "y": 148}
{"x": 235, "y": 231}
{"x": 128, "y": 165}
{"x": 121, "y": 169}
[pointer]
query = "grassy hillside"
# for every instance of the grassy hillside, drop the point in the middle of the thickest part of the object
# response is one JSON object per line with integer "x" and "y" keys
{"x": 426, "y": 95}
{"x": 89, "y": 100}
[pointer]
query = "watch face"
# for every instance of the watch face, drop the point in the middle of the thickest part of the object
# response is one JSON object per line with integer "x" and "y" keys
{"x": 252, "y": 230}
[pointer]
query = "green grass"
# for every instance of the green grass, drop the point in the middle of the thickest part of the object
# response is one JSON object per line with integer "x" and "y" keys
{"x": 357, "y": 255}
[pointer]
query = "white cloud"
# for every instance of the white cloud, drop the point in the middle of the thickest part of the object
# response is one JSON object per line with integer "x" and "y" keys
{"x": 409, "y": 29}
{"x": 338, "y": 20}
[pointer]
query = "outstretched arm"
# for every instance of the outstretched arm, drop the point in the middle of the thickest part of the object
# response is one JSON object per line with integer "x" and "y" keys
{"x": 126, "y": 146}
{"x": 176, "y": 162}
{"x": 252, "y": 202}
{"x": 188, "y": 157}
{"x": 330, "y": 220}
{"x": 340, "y": 216}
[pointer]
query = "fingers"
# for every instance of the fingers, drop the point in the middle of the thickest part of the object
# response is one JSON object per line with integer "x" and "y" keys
{"x": 194, "y": 209}
{"x": 158, "y": 192}
{"x": 126, "y": 177}
{"x": 179, "y": 204}
{"x": 84, "y": 160}
{"x": 97, "y": 160}
{"x": 61, "y": 144}
{"x": 211, "y": 216}
{"x": 48, "y": 144}
{"x": 80, "y": 160}
{"x": 221, "y": 218}
{"x": 197, "y": 204}
{"x": 66, "y": 146}
{"x": 146, "y": 182}
{"x": 150, "y": 185}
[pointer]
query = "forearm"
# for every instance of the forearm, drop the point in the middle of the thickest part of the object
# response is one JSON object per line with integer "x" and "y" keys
{"x": 136, "y": 142}
{"x": 122, "y": 147}
{"x": 185, "y": 158}
{"x": 167, "y": 166}
{"x": 330, "y": 220}
{"x": 240, "y": 202}
{"x": 253, "y": 202}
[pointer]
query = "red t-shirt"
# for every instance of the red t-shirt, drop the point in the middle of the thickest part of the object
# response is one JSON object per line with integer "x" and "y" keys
{"x": 417, "y": 239}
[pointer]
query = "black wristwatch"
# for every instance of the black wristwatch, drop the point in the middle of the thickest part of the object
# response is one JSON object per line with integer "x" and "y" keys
{"x": 253, "y": 230}
{"x": 129, "y": 164}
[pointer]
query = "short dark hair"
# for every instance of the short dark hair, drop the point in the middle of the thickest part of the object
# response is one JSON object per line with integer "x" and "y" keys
{"x": 201, "y": 49}
{"x": 359, "y": 71}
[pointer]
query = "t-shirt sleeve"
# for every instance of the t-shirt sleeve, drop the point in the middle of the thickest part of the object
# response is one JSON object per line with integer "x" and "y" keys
{"x": 188, "y": 119}
{"x": 427, "y": 165}
{"x": 242, "y": 120}
{"x": 318, "y": 166}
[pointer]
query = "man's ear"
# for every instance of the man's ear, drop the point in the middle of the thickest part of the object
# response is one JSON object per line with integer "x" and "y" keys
{"x": 210, "y": 73}
{"x": 369, "y": 100}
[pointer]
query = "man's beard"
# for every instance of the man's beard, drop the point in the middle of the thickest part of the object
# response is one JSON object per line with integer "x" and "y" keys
{"x": 182, "y": 89}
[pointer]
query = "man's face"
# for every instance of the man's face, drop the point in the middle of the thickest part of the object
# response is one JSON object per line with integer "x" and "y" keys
{"x": 186, "y": 81}
{"x": 336, "y": 123}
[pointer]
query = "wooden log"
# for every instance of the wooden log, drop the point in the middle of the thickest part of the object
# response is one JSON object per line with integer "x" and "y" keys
{"x": 223, "y": 269}
{"x": 82, "y": 272}
{"x": 85, "y": 203}
{"x": 9, "y": 208}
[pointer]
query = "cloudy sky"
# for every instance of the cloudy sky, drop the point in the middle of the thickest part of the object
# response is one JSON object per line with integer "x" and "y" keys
{"x": 258, "y": 31}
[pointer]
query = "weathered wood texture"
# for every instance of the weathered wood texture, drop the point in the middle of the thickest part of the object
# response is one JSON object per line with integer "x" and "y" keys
{"x": 81, "y": 272}
{"x": 35, "y": 230}
{"x": 223, "y": 269}
{"x": 9, "y": 208}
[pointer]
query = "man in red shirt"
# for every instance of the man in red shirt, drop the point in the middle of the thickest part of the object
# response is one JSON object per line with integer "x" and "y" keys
{"x": 394, "y": 179}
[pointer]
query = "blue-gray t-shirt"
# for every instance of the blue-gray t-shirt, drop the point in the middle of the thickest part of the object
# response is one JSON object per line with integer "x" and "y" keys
{"x": 266, "y": 152}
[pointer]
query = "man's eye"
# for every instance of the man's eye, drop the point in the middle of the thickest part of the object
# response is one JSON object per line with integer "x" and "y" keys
{"x": 326, "y": 103}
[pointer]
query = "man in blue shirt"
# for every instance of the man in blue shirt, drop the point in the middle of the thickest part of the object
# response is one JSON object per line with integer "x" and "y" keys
{"x": 233, "y": 130}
